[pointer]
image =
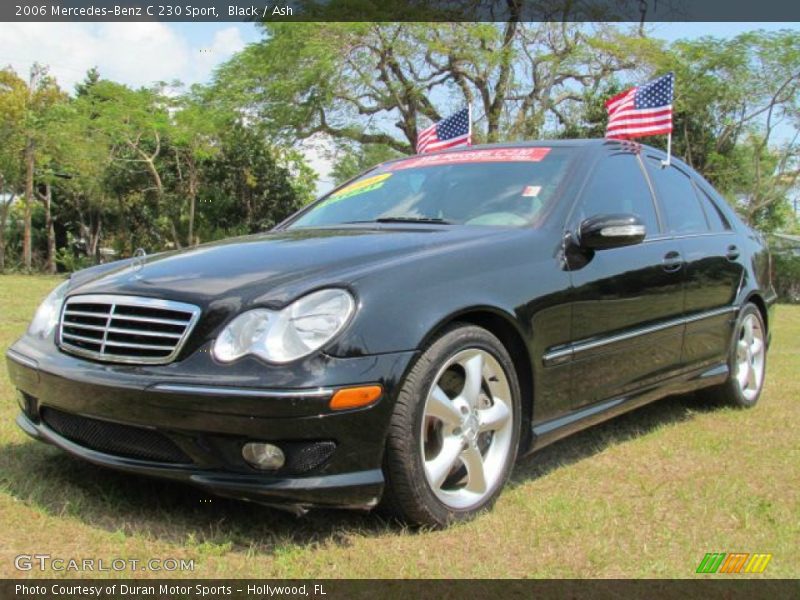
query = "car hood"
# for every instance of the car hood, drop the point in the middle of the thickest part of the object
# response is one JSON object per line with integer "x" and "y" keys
{"x": 274, "y": 267}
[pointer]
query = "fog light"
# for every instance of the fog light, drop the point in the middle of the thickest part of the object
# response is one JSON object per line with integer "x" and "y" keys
{"x": 263, "y": 456}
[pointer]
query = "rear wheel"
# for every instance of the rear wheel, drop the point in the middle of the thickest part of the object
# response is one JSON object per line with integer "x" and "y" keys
{"x": 454, "y": 431}
{"x": 747, "y": 361}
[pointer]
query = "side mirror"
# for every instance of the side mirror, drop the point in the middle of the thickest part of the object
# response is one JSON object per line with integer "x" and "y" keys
{"x": 611, "y": 231}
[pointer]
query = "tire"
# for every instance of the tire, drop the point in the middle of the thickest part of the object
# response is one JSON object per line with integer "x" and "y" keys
{"x": 454, "y": 431}
{"x": 747, "y": 362}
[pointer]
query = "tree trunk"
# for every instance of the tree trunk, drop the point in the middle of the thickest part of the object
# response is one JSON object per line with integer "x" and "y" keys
{"x": 123, "y": 228}
{"x": 90, "y": 234}
{"x": 192, "y": 200}
{"x": 175, "y": 237}
{"x": 95, "y": 239}
{"x": 50, "y": 267}
{"x": 4, "y": 207}
{"x": 3, "y": 240}
{"x": 494, "y": 110}
{"x": 26, "y": 238}
{"x": 30, "y": 158}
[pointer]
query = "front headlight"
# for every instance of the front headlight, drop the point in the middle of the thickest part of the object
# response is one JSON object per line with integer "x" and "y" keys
{"x": 286, "y": 335}
{"x": 46, "y": 317}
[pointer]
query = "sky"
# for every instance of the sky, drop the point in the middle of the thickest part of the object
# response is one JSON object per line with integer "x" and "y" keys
{"x": 132, "y": 53}
{"x": 142, "y": 53}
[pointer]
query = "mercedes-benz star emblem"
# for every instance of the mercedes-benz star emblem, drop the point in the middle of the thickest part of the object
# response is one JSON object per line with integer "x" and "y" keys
{"x": 137, "y": 264}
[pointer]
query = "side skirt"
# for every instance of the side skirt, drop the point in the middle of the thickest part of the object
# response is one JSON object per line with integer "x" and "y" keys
{"x": 547, "y": 432}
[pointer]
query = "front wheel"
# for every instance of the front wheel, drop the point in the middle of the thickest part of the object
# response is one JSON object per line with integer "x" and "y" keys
{"x": 454, "y": 431}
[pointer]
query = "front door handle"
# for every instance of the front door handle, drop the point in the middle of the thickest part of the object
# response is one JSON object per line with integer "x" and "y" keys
{"x": 673, "y": 261}
{"x": 733, "y": 252}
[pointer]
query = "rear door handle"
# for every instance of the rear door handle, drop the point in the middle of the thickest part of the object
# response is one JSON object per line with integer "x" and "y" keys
{"x": 733, "y": 252}
{"x": 673, "y": 261}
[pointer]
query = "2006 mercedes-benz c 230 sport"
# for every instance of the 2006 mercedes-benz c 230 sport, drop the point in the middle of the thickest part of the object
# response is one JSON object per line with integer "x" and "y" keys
{"x": 406, "y": 337}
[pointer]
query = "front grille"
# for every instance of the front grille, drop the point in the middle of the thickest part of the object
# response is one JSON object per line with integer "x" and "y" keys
{"x": 114, "y": 438}
{"x": 126, "y": 329}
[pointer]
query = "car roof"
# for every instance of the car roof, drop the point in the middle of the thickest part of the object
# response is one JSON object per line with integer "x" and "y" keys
{"x": 588, "y": 144}
{"x": 534, "y": 143}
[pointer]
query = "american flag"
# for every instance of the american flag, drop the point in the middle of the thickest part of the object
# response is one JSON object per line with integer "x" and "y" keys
{"x": 455, "y": 130}
{"x": 642, "y": 110}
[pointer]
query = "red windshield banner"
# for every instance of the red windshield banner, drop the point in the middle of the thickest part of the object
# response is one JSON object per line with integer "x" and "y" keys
{"x": 472, "y": 156}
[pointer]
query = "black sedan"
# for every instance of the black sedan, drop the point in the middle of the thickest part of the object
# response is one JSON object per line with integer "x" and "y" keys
{"x": 405, "y": 338}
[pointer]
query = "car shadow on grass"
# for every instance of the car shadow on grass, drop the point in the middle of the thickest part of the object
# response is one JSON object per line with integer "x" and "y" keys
{"x": 127, "y": 504}
{"x": 124, "y": 504}
{"x": 591, "y": 441}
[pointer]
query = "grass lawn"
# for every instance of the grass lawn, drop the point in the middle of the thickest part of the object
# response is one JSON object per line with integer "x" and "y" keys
{"x": 644, "y": 495}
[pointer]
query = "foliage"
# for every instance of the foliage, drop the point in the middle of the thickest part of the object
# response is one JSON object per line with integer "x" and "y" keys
{"x": 737, "y": 117}
{"x": 69, "y": 261}
{"x": 250, "y": 191}
{"x": 167, "y": 167}
{"x": 27, "y": 113}
{"x": 381, "y": 83}
{"x": 735, "y": 94}
{"x": 368, "y": 86}
{"x": 117, "y": 168}
{"x": 353, "y": 160}
{"x": 787, "y": 276}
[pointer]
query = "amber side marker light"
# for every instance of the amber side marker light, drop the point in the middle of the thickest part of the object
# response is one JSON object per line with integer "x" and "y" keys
{"x": 355, "y": 397}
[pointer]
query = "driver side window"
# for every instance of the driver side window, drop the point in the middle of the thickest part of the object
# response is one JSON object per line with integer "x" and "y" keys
{"x": 617, "y": 185}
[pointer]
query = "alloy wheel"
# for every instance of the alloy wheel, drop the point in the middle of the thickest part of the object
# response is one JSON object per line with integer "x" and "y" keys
{"x": 750, "y": 355}
{"x": 467, "y": 428}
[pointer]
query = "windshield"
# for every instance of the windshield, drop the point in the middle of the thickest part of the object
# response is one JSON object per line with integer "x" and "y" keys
{"x": 498, "y": 186}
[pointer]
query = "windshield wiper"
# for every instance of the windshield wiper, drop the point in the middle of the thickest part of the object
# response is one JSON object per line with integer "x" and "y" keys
{"x": 434, "y": 220}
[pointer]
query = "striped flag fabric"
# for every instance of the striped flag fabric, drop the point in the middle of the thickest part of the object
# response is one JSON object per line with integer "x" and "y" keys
{"x": 455, "y": 130}
{"x": 642, "y": 110}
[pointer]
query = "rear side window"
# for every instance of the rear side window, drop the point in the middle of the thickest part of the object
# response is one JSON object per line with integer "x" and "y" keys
{"x": 716, "y": 219}
{"x": 618, "y": 185}
{"x": 679, "y": 202}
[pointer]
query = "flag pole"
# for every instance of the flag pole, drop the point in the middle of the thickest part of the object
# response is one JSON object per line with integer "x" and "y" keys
{"x": 666, "y": 163}
{"x": 469, "y": 123}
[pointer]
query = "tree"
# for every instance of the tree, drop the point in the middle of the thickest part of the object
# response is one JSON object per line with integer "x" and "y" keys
{"x": 249, "y": 190}
{"x": 119, "y": 167}
{"x": 131, "y": 126}
{"x": 7, "y": 197}
{"x": 736, "y": 115}
{"x": 166, "y": 167}
{"x": 372, "y": 83}
{"x": 736, "y": 100}
{"x": 195, "y": 132}
{"x": 353, "y": 160}
{"x": 28, "y": 110}
{"x": 12, "y": 143}
{"x": 86, "y": 152}
{"x": 41, "y": 94}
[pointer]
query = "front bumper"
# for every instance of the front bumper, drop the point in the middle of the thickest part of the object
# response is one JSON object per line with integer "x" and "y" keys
{"x": 198, "y": 407}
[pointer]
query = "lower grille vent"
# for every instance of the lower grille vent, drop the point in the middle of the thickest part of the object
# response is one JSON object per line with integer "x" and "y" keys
{"x": 114, "y": 438}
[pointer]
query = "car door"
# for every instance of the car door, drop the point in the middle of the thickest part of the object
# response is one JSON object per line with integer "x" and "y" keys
{"x": 714, "y": 268}
{"x": 627, "y": 327}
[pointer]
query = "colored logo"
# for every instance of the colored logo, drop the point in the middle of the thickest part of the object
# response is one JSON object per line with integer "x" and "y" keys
{"x": 362, "y": 186}
{"x": 732, "y": 563}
